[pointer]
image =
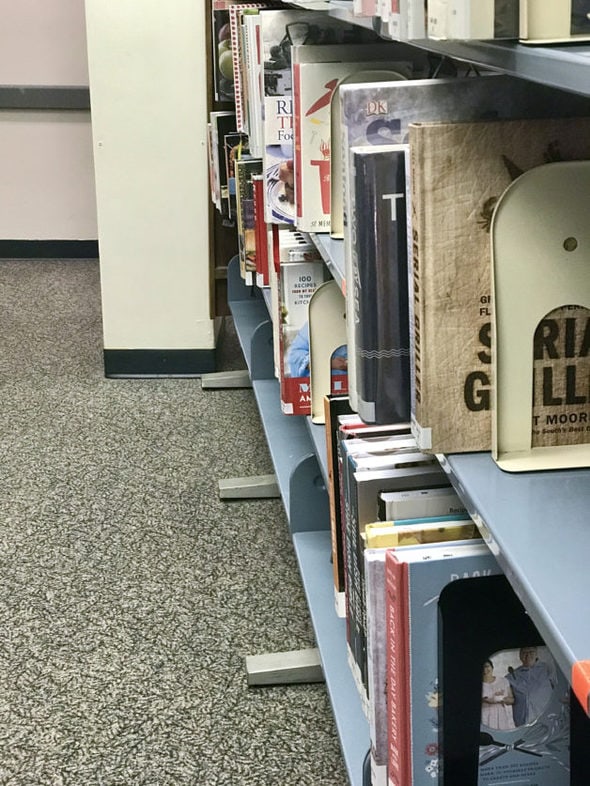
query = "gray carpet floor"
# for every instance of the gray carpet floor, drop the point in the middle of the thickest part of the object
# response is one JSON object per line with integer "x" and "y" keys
{"x": 129, "y": 592}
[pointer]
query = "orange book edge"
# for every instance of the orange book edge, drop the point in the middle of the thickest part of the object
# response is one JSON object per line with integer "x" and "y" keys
{"x": 581, "y": 683}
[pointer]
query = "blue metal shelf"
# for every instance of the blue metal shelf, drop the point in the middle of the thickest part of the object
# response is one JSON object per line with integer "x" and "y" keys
{"x": 538, "y": 526}
{"x": 296, "y": 445}
{"x": 313, "y": 551}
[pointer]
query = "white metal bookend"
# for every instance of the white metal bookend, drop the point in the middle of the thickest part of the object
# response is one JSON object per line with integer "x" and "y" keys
{"x": 541, "y": 263}
{"x": 327, "y": 332}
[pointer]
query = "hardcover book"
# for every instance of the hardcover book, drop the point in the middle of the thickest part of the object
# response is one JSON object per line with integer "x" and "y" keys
{"x": 561, "y": 20}
{"x": 407, "y": 20}
{"x": 364, "y": 479}
{"x": 380, "y": 113}
{"x": 415, "y": 577}
{"x": 333, "y": 407}
{"x": 451, "y": 222}
{"x": 317, "y": 71}
{"x": 297, "y": 281}
{"x": 419, "y": 502}
{"x": 350, "y": 427}
{"x": 245, "y": 168}
{"x": 483, "y": 19}
{"x": 505, "y": 716}
{"x": 223, "y": 123}
{"x": 236, "y": 146}
{"x": 379, "y": 284}
{"x": 281, "y": 30}
{"x": 261, "y": 232}
{"x": 223, "y": 76}
{"x": 374, "y": 580}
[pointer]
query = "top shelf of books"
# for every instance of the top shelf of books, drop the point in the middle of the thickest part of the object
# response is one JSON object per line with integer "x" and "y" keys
{"x": 563, "y": 66}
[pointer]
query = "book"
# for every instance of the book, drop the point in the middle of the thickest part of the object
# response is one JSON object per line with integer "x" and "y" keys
{"x": 297, "y": 283}
{"x": 437, "y": 20}
{"x": 281, "y": 30}
{"x": 511, "y": 697}
{"x": 415, "y": 578}
{"x": 240, "y": 91}
{"x": 374, "y": 581}
{"x": 419, "y": 502}
{"x": 450, "y": 224}
{"x": 223, "y": 123}
{"x": 245, "y": 168}
{"x": 261, "y": 233}
{"x": 317, "y": 71}
{"x": 333, "y": 407}
{"x": 483, "y": 19}
{"x": 364, "y": 479}
{"x": 374, "y": 111}
{"x": 559, "y": 21}
{"x": 407, "y": 20}
{"x": 379, "y": 284}
{"x": 223, "y": 73}
{"x": 235, "y": 146}
{"x": 348, "y": 427}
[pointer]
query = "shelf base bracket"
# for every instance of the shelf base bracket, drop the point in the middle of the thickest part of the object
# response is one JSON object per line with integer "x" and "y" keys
{"x": 256, "y": 487}
{"x": 284, "y": 668}
{"x": 226, "y": 379}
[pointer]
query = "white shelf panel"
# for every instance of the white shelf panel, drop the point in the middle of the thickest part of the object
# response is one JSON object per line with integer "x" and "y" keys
{"x": 538, "y": 526}
{"x": 313, "y": 551}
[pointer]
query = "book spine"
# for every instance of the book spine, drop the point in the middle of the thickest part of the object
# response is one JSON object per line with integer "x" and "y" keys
{"x": 380, "y": 281}
{"x": 398, "y": 673}
{"x": 418, "y": 179}
{"x": 297, "y": 163}
{"x": 376, "y": 663}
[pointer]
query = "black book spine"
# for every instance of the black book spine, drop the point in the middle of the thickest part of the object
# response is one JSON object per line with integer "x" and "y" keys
{"x": 380, "y": 282}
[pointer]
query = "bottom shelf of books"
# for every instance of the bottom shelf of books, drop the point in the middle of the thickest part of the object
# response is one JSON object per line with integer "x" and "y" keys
{"x": 302, "y": 486}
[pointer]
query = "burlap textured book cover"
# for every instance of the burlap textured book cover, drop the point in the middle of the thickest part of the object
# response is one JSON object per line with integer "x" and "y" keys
{"x": 458, "y": 173}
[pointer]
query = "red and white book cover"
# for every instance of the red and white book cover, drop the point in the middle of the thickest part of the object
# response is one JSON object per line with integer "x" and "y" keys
{"x": 298, "y": 280}
{"x": 314, "y": 81}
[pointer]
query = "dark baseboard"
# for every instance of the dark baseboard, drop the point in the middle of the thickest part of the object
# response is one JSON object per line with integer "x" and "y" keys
{"x": 144, "y": 363}
{"x": 48, "y": 249}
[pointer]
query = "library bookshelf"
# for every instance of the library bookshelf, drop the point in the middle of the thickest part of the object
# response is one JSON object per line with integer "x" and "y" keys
{"x": 536, "y": 524}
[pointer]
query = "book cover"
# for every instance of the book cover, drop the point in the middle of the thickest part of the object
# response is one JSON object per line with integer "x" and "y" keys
{"x": 236, "y": 146}
{"x": 297, "y": 282}
{"x": 561, "y": 20}
{"x": 415, "y": 578}
{"x": 374, "y": 580}
{"x": 378, "y": 113}
{"x": 317, "y": 72}
{"x": 407, "y": 20}
{"x": 380, "y": 284}
{"x": 419, "y": 502}
{"x": 483, "y": 19}
{"x": 512, "y": 699}
{"x": 437, "y": 20}
{"x": 223, "y": 123}
{"x": 451, "y": 244}
{"x": 261, "y": 232}
{"x": 362, "y": 486}
{"x": 223, "y": 72}
{"x": 245, "y": 168}
{"x": 349, "y": 427}
{"x": 280, "y": 31}
{"x": 333, "y": 407}
{"x": 240, "y": 91}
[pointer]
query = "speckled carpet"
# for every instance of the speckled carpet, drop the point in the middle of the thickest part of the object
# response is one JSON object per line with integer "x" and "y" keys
{"x": 129, "y": 593}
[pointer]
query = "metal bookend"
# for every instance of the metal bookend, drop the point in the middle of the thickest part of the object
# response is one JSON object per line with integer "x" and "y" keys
{"x": 327, "y": 333}
{"x": 541, "y": 264}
